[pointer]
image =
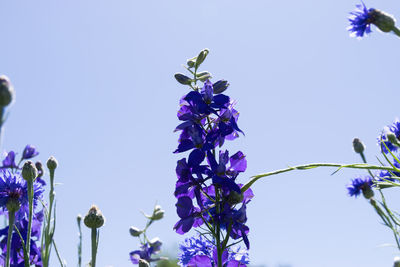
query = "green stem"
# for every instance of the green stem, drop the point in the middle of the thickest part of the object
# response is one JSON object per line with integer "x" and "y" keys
{"x": 11, "y": 221}
{"x": 28, "y": 237}
{"x": 253, "y": 179}
{"x": 80, "y": 244}
{"x": 94, "y": 247}
{"x": 49, "y": 230}
{"x": 396, "y": 31}
{"x": 218, "y": 230}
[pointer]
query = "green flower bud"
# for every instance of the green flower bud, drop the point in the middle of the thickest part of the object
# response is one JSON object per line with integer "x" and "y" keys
{"x": 382, "y": 20}
{"x": 94, "y": 218}
{"x": 201, "y": 57}
{"x": 134, "y": 231}
{"x": 143, "y": 263}
{"x": 158, "y": 213}
{"x": 6, "y": 91}
{"x": 203, "y": 76}
{"x": 52, "y": 163}
{"x": 396, "y": 262}
{"x": 367, "y": 191}
{"x": 358, "y": 146}
{"x": 13, "y": 205}
{"x": 183, "y": 79}
{"x": 220, "y": 86}
{"x": 29, "y": 171}
{"x": 191, "y": 62}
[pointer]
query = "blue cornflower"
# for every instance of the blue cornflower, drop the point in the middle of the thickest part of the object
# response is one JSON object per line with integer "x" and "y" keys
{"x": 394, "y": 128}
{"x": 198, "y": 251}
{"x": 13, "y": 186}
{"x": 386, "y": 175}
{"x": 360, "y": 21}
{"x": 29, "y": 152}
{"x": 360, "y": 185}
{"x": 9, "y": 160}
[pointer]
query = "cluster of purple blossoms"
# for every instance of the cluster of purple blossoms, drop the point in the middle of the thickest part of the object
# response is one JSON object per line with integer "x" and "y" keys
{"x": 13, "y": 188}
{"x": 207, "y": 191}
{"x": 199, "y": 251}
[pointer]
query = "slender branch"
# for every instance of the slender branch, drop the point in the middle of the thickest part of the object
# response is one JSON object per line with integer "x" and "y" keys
{"x": 253, "y": 179}
{"x": 11, "y": 221}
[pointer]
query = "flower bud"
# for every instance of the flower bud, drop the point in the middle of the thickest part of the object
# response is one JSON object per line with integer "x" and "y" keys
{"x": 29, "y": 171}
{"x": 201, "y": 57}
{"x": 396, "y": 262}
{"x": 39, "y": 167}
{"x": 158, "y": 213}
{"x": 358, "y": 146}
{"x": 156, "y": 244}
{"x": 382, "y": 20}
{"x": 79, "y": 219}
{"x": 52, "y": 163}
{"x": 203, "y": 76}
{"x": 6, "y": 91}
{"x": 13, "y": 205}
{"x": 367, "y": 191}
{"x": 143, "y": 263}
{"x": 94, "y": 218}
{"x": 134, "y": 231}
{"x": 220, "y": 86}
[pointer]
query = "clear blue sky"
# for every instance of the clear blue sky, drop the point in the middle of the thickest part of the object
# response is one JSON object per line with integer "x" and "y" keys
{"x": 95, "y": 88}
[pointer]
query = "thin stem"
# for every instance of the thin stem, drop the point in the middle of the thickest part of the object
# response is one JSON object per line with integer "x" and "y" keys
{"x": 11, "y": 221}
{"x": 253, "y": 179}
{"x": 58, "y": 253}
{"x": 396, "y": 31}
{"x": 80, "y": 244}
{"x": 2, "y": 112}
{"x": 218, "y": 230}
{"x": 49, "y": 231}
{"x": 94, "y": 247}
{"x": 28, "y": 237}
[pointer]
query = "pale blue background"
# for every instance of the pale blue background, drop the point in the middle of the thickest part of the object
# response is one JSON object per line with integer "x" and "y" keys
{"x": 95, "y": 88}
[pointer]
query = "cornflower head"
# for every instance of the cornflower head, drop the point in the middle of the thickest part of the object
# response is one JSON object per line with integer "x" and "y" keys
{"x": 14, "y": 188}
{"x": 207, "y": 191}
{"x": 362, "y": 18}
{"x": 361, "y": 185}
{"x": 201, "y": 251}
{"x": 389, "y": 139}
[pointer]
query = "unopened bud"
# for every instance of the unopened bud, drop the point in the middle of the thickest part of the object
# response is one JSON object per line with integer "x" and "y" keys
{"x": 183, "y": 79}
{"x": 367, "y": 191}
{"x": 382, "y": 20}
{"x": 156, "y": 244}
{"x": 358, "y": 146}
{"x": 158, "y": 213}
{"x": 143, "y": 263}
{"x": 52, "y": 163}
{"x": 6, "y": 91}
{"x": 201, "y": 57}
{"x": 29, "y": 171}
{"x": 396, "y": 262}
{"x": 94, "y": 218}
{"x": 39, "y": 167}
{"x": 79, "y": 219}
{"x": 134, "y": 231}
{"x": 203, "y": 76}
{"x": 220, "y": 86}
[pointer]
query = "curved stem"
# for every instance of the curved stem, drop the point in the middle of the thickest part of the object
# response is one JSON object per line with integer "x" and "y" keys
{"x": 94, "y": 247}
{"x": 253, "y": 179}
{"x": 11, "y": 221}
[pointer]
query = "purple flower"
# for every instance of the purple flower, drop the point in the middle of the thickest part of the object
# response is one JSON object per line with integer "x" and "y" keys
{"x": 145, "y": 253}
{"x": 17, "y": 258}
{"x": 29, "y": 152}
{"x": 9, "y": 160}
{"x": 360, "y": 21}
{"x": 12, "y": 186}
{"x": 394, "y": 128}
{"x": 359, "y": 185}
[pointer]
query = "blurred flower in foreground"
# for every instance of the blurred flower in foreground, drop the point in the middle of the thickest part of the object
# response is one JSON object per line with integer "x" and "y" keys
{"x": 359, "y": 185}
